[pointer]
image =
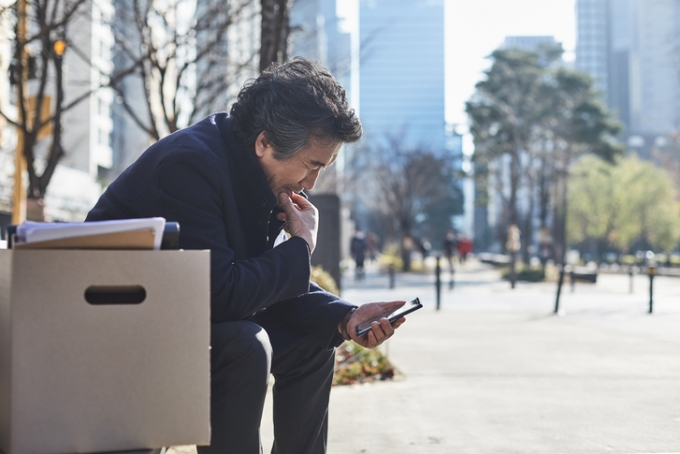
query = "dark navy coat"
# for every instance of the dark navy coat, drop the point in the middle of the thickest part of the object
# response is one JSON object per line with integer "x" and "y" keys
{"x": 208, "y": 180}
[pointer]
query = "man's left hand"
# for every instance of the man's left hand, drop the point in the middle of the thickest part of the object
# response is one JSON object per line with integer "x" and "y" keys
{"x": 380, "y": 331}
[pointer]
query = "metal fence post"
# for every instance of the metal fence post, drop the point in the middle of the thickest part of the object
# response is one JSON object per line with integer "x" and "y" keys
{"x": 651, "y": 271}
{"x": 559, "y": 290}
{"x": 390, "y": 271}
{"x": 438, "y": 282}
{"x": 630, "y": 275}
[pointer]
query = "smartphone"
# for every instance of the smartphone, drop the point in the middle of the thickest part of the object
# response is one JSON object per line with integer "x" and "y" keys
{"x": 413, "y": 305}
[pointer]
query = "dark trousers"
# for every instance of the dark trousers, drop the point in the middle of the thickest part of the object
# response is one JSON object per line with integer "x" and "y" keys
{"x": 242, "y": 356}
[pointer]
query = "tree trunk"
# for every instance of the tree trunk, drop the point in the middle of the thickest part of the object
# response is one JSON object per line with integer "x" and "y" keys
{"x": 543, "y": 209}
{"x": 528, "y": 232}
{"x": 274, "y": 32}
{"x": 514, "y": 184}
{"x": 560, "y": 227}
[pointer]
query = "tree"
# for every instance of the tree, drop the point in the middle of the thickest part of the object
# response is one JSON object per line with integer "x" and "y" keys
{"x": 41, "y": 32}
{"x": 504, "y": 112}
{"x": 616, "y": 206}
{"x": 275, "y": 29}
{"x": 182, "y": 56}
{"x": 407, "y": 185}
{"x": 580, "y": 124}
{"x": 529, "y": 122}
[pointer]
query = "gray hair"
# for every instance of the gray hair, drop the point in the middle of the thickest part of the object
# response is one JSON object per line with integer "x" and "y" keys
{"x": 293, "y": 103}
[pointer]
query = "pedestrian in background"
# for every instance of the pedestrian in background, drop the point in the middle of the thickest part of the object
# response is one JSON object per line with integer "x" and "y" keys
{"x": 358, "y": 248}
{"x": 464, "y": 248}
{"x": 450, "y": 247}
{"x": 373, "y": 243}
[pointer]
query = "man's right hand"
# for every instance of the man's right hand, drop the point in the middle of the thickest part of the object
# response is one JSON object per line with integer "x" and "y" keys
{"x": 300, "y": 216}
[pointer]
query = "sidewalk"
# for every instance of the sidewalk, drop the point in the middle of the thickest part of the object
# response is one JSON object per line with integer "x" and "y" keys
{"x": 494, "y": 371}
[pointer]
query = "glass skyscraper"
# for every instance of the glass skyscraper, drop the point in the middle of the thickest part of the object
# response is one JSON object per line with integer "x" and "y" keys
{"x": 401, "y": 71}
{"x": 629, "y": 47}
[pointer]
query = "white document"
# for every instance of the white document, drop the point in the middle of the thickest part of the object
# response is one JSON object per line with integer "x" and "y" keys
{"x": 31, "y": 232}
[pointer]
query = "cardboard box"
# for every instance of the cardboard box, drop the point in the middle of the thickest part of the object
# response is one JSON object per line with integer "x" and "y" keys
{"x": 128, "y": 370}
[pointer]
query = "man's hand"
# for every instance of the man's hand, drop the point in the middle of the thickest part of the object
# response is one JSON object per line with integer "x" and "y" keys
{"x": 380, "y": 331}
{"x": 300, "y": 216}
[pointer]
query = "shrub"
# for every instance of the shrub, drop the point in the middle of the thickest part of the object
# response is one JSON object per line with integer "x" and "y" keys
{"x": 356, "y": 364}
{"x": 353, "y": 363}
{"x": 526, "y": 274}
{"x": 390, "y": 257}
{"x": 324, "y": 280}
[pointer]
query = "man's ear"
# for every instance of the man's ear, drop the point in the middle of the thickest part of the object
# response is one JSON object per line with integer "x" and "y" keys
{"x": 261, "y": 145}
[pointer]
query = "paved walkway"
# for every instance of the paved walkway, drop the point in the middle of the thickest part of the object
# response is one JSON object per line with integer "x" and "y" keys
{"x": 494, "y": 371}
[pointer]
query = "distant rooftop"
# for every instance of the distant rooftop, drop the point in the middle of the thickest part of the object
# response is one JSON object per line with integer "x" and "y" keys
{"x": 530, "y": 43}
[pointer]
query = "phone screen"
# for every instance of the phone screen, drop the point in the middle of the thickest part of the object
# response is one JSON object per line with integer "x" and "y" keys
{"x": 365, "y": 327}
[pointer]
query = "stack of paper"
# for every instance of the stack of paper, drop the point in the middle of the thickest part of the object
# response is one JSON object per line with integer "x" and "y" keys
{"x": 144, "y": 233}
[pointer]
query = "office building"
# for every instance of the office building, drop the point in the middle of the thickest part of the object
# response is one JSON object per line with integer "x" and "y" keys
{"x": 528, "y": 43}
{"x": 319, "y": 33}
{"x": 401, "y": 75}
{"x": 629, "y": 47}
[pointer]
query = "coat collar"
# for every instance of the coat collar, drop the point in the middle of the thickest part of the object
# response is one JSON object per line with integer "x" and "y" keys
{"x": 251, "y": 171}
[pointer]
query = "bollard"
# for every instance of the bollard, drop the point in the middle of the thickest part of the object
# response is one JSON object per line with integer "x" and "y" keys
{"x": 651, "y": 271}
{"x": 438, "y": 282}
{"x": 391, "y": 274}
{"x": 451, "y": 275}
{"x": 572, "y": 280}
{"x": 559, "y": 290}
{"x": 630, "y": 275}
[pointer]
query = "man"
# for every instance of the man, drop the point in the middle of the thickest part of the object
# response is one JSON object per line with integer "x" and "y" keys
{"x": 233, "y": 182}
{"x": 450, "y": 246}
{"x": 358, "y": 247}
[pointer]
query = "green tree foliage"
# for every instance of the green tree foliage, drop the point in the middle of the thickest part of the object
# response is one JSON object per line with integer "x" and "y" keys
{"x": 618, "y": 205}
{"x": 530, "y": 120}
{"x": 503, "y": 113}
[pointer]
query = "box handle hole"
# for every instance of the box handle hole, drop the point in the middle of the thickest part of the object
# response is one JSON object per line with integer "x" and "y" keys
{"x": 99, "y": 295}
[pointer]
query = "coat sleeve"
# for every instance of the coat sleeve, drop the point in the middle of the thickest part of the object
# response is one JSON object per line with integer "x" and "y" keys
{"x": 189, "y": 192}
{"x": 316, "y": 313}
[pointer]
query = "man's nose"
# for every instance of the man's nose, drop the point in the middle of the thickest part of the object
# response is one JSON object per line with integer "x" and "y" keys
{"x": 310, "y": 180}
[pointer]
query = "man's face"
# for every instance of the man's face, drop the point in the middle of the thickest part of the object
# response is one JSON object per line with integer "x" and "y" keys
{"x": 299, "y": 172}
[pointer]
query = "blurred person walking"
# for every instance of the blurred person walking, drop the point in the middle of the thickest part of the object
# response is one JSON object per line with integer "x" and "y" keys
{"x": 450, "y": 246}
{"x": 464, "y": 248}
{"x": 358, "y": 248}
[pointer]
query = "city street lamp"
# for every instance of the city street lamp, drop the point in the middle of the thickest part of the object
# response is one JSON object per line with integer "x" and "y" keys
{"x": 59, "y": 47}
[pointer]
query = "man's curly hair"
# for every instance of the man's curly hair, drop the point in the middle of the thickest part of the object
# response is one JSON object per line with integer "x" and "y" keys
{"x": 292, "y": 103}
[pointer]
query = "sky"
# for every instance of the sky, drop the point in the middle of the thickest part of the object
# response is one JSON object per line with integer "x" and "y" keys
{"x": 474, "y": 28}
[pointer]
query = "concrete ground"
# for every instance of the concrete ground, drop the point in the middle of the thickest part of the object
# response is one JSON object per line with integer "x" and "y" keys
{"x": 495, "y": 371}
